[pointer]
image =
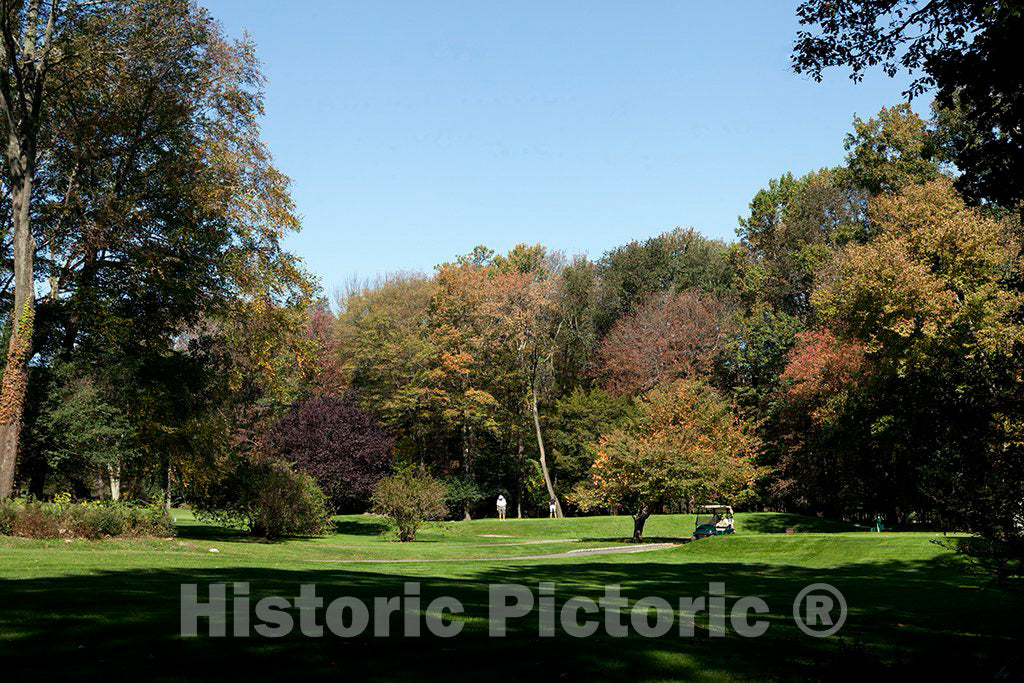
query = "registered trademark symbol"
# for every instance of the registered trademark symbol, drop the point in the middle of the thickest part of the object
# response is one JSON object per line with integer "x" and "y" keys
{"x": 813, "y": 610}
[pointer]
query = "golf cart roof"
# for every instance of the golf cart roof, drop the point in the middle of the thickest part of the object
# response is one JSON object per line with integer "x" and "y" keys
{"x": 718, "y": 507}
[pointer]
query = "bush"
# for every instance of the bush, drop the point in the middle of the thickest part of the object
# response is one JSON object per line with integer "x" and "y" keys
{"x": 38, "y": 520}
{"x": 288, "y": 503}
{"x": 269, "y": 499}
{"x": 8, "y": 513}
{"x": 62, "y": 519}
{"x": 410, "y": 498}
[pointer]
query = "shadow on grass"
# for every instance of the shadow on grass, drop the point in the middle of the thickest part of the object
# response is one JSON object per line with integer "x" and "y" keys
{"x": 629, "y": 539}
{"x": 778, "y": 523}
{"x": 211, "y": 533}
{"x": 353, "y": 528}
{"x": 911, "y": 620}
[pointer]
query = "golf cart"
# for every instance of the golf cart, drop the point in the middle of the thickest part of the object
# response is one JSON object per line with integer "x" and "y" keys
{"x": 714, "y": 520}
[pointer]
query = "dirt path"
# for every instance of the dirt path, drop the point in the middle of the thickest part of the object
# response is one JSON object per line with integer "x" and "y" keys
{"x": 616, "y": 550}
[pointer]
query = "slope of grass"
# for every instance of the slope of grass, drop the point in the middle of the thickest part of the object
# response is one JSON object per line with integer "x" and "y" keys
{"x": 111, "y": 608}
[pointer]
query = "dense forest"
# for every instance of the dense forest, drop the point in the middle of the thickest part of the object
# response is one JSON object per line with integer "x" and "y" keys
{"x": 856, "y": 351}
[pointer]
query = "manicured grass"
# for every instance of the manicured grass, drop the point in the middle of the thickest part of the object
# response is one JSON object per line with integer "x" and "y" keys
{"x": 111, "y": 608}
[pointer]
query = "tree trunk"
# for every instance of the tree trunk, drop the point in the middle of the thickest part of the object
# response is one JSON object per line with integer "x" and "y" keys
{"x": 467, "y": 465}
{"x": 19, "y": 351}
{"x": 639, "y": 520}
{"x": 519, "y": 473}
{"x": 25, "y": 63}
{"x": 543, "y": 457}
{"x": 167, "y": 490}
{"x": 114, "y": 474}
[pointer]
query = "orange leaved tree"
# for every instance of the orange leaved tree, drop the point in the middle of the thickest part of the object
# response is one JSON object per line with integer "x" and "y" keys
{"x": 689, "y": 444}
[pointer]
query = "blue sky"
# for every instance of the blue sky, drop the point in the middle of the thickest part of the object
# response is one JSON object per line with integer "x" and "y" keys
{"x": 416, "y": 130}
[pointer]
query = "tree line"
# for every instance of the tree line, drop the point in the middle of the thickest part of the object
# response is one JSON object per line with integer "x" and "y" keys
{"x": 855, "y": 351}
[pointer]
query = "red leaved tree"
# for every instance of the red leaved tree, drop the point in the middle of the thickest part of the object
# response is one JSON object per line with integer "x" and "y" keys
{"x": 671, "y": 336}
{"x": 337, "y": 442}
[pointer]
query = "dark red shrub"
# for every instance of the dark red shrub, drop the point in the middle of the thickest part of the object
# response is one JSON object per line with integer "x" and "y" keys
{"x": 337, "y": 442}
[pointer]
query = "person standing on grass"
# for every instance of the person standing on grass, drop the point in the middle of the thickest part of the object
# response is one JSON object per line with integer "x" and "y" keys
{"x": 502, "y": 506}
{"x": 551, "y": 508}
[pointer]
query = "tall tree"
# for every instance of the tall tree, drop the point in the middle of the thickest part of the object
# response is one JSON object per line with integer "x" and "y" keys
{"x": 460, "y": 374}
{"x": 152, "y": 152}
{"x": 387, "y": 351}
{"x": 932, "y": 303}
{"x": 967, "y": 51}
{"x": 520, "y": 311}
{"x": 672, "y": 262}
{"x": 40, "y": 44}
{"x": 891, "y": 150}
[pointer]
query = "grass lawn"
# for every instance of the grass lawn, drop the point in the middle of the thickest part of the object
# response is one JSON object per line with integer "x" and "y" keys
{"x": 110, "y": 608}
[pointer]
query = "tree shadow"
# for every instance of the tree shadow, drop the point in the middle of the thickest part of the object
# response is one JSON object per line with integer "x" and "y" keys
{"x": 348, "y": 527}
{"x": 914, "y": 620}
{"x": 217, "y": 533}
{"x": 629, "y": 539}
{"x": 778, "y": 523}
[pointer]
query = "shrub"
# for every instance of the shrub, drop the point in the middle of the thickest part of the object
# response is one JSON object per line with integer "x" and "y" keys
{"x": 288, "y": 503}
{"x": 38, "y": 520}
{"x": 8, "y": 513}
{"x": 409, "y": 498}
{"x": 268, "y": 499}
{"x": 62, "y": 519}
{"x": 150, "y": 521}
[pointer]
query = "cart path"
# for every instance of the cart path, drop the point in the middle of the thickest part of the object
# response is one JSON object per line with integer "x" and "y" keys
{"x": 615, "y": 550}
{"x": 465, "y": 545}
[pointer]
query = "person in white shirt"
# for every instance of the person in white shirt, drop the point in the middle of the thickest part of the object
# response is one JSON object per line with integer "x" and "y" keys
{"x": 502, "y": 506}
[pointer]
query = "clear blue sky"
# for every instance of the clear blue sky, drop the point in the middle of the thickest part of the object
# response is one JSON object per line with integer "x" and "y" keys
{"x": 415, "y": 130}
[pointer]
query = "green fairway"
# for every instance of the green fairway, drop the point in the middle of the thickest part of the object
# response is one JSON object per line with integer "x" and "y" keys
{"x": 112, "y": 607}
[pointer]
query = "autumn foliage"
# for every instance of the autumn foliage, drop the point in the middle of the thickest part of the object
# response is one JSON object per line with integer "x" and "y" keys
{"x": 689, "y": 445}
{"x": 669, "y": 337}
{"x": 822, "y": 367}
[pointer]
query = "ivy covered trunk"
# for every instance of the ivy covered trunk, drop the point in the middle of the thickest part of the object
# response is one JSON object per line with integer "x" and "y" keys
{"x": 27, "y": 34}
{"x": 19, "y": 350}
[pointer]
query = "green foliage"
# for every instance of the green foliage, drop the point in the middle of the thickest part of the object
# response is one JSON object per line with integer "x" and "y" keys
{"x": 675, "y": 261}
{"x": 269, "y": 499}
{"x": 462, "y": 493}
{"x": 755, "y": 354}
{"x": 409, "y": 498}
{"x": 792, "y": 229}
{"x": 967, "y": 52}
{"x": 8, "y": 517}
{"x": 86, "y": 420}
{"x": 578, "y": 422}
{"x": 887, "y": 153}
{"x": 577, "y": 312}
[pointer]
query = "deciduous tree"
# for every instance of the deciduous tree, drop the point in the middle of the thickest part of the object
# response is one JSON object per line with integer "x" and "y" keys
{"x": 669, "y": 337}
{"x": 690, "y": 444}
{"x": 338, "y": 443}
